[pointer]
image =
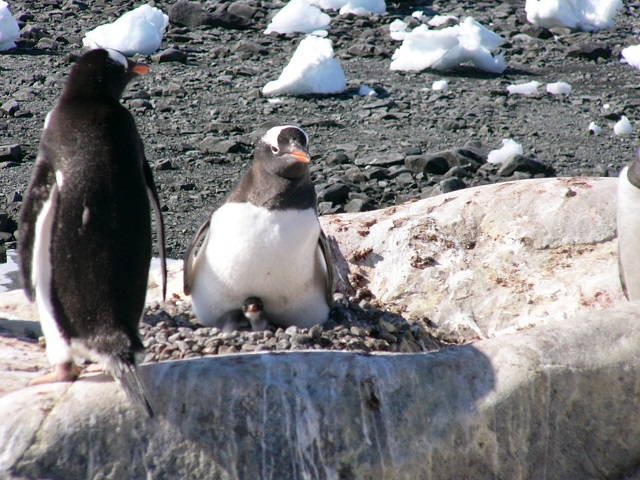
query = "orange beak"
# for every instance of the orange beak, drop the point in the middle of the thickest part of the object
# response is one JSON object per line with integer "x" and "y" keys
{"x": 252, "y": 309}
{"x": 140, "y": 69}
{"x": 300, "y": 156}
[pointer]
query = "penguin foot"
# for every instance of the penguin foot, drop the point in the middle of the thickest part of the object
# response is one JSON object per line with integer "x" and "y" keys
{"x": 63, "y": 372}
{"x": 93, "y": 368}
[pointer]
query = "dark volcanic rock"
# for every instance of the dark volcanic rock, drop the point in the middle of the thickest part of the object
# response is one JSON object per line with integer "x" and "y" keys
{"x": 192, "y": 14}
{"x": 590, "y": 50}
{"x": 520, "y": 163}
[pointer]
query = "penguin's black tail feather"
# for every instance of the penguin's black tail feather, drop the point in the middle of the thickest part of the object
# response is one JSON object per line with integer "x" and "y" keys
{"x": 126, "y": 376}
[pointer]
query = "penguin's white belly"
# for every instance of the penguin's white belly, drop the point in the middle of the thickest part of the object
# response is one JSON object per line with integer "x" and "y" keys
{"x": 270, "y": 254}
{"x": 628, "y": 213}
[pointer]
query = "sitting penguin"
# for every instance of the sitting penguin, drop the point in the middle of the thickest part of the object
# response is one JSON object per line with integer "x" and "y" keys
{"x": 265, "y": 241}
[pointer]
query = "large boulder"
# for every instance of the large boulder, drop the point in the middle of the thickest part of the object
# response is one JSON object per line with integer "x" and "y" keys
{"x": 549, "y": 390}
{"x": 487, "y": 260}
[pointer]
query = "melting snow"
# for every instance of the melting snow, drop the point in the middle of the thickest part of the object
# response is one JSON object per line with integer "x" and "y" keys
{"x": 9, "y": 29}
{"x": 449, "y": 47}
{"x": 312, "y": 69}
{"x": 138, "y": 31}
{"x": 588, "y": 15}
{"x": 298, "y": 16}
{"x": 509, "y": 149}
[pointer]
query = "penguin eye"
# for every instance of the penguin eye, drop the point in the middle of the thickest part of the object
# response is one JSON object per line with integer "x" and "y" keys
{"x": 275, "y": 149}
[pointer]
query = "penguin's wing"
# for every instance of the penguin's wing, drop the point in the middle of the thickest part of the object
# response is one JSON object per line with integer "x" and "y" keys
{"x": 40, "y": 190}
{"x": 153, "y": 193}
{"x": 325, "y": 249}
{"x": 198, "y": 245}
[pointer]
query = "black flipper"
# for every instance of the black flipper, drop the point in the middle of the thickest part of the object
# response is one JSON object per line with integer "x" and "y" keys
{"x": 198, "y": 243}
{"x": 328, "y": 260}
{"x": 153, "y": 193}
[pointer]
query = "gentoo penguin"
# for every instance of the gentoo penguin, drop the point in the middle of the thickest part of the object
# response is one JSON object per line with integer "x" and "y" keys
{"x": 253, "y": 310}
{"x": 250, "y": 317}
{"x": 628, "y": 220}
{"x": 85, "y": 226}
{"x": 265, "y": 241}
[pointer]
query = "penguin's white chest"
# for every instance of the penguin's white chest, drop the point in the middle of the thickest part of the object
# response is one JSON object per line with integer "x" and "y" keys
{"x": 271, "y": 254}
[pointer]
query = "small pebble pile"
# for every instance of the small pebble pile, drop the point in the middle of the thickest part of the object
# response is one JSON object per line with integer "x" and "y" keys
{"x": 171, "y": 332}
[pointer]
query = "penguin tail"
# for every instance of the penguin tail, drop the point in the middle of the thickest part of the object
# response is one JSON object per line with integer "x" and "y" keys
{"x": 125, "y": 373}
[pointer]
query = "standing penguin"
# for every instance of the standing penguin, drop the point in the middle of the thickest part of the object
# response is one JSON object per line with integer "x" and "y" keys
{"x": 265, "y": 241}
{"x": 85, "y": 226}
{"x": 628, "y": 205}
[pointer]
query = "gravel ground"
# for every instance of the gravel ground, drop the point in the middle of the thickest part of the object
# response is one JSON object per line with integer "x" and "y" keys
{"x": 200, "y": 114}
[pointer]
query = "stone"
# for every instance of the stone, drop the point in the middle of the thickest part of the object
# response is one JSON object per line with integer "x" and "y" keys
{"x": 336, "y": 193}
{"x": 336, "y": 158}
{"x": 381, "y": 159}
{"x": 192, "y": 14}
{"x": 245, "y": 10}
{"x": 10, "y": 153}
{"x": 170, "y": 55}
{"x": 215, "y": 145}
{"x": 520, "y": 163}
{"x": 451, "y": 185}
{"x": 10, "y": 106}
{"x": 590, "y": 51}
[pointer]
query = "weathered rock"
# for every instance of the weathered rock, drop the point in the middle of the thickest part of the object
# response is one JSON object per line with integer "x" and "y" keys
{"x": 483, "y": 260}
{"x": 531, "y": 404}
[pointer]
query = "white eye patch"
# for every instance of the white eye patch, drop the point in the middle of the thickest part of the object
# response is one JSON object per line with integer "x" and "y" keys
{"x": 118, "y": 57}
{"x": 271, "y": 137}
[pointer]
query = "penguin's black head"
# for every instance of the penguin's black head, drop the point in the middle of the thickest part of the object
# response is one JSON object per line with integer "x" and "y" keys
{"x": 252, "y": 305}
{"x": 284, "y": 151}
{"x": 101, "y": 74}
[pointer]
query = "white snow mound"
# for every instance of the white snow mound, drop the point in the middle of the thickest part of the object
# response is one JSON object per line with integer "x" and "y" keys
{"x": 9, "y": 29}
{"x": 298, "y": 16}
{"x": 137, "y": 31}
{"x": 559, "y": 88}
{"x": 528, "y": 88}
{"x": 632, "y": 55}
{"x": 587, "y": 15}
{"x": 364, "y": 7}
{"x": 447, "y": 48}
{"x": 623, "y": 127}
{"x": 312, "y": 69}
{"x": 509, "y": 149}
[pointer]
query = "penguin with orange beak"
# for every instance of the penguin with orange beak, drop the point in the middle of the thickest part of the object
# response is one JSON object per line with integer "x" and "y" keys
{"x": 265, "y": 241}
{"x": 85, "y": 226}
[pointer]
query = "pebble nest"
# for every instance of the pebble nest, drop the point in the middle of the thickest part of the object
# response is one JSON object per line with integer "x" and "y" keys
{"x": 170, "y": 331}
